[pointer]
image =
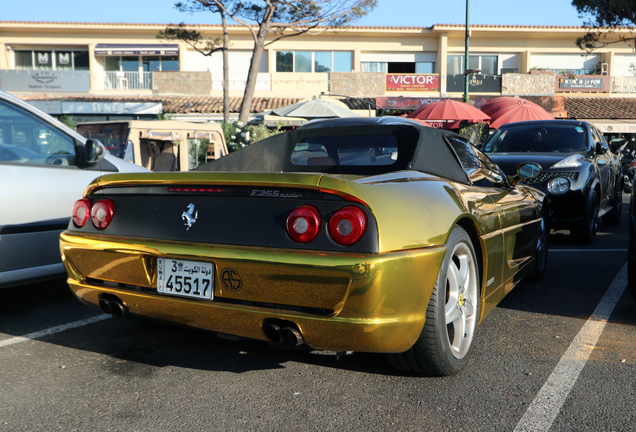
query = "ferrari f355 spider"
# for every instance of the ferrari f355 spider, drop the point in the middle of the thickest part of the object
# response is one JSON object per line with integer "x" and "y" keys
{"x": 369, "y": 235}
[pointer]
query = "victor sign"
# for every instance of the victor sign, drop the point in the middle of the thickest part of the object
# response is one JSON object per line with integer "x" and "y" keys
{"x": 412, "y": 82}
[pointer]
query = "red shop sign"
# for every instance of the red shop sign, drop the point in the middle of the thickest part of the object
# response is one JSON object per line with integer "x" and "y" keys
{"x": 412, "y": 82}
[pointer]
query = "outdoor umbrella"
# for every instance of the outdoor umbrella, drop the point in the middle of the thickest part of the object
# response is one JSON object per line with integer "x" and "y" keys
{"x": 314, "y": 109}
{"x": 510, "y": 110}
{"x": 449, "y": 110}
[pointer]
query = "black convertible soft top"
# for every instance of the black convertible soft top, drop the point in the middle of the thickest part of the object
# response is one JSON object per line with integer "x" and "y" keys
{"x": 420, "y": 148}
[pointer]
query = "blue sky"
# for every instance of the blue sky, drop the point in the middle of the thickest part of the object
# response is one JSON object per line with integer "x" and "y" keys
{"x": 388, "y": 12}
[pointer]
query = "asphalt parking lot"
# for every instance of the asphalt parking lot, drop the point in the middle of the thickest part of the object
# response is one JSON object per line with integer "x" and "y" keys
{"x": 558, "y": 355}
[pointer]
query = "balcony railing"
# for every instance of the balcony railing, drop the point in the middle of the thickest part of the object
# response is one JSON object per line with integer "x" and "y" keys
{"x": 128, "y": 81}
{"x": 624, "y": 84}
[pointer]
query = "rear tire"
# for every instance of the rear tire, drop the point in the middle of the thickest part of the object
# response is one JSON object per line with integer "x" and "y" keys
{"x": 446, "y": 341}
{"x": 585, "y": 231}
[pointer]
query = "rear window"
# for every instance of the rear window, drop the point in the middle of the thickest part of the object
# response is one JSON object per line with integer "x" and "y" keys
{"x": 113, "y": 136}
{"x": 350, "y": 150}
{"x": 540, "y": 138}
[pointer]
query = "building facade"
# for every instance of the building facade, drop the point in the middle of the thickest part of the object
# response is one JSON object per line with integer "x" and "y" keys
{"x": 91, "y": 70}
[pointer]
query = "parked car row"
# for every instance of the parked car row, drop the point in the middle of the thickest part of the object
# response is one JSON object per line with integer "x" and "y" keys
{"x": 582, "y": 178}
{"x": 359, "y": 234}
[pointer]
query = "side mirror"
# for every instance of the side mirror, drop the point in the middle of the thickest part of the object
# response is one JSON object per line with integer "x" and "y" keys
{"x": 601, "y": 148}
{"x": 528, "y": 170}
{"x": 95, "y": 151}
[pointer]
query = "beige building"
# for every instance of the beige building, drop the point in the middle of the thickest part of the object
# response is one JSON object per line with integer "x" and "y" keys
{"x": 91, "y": 70}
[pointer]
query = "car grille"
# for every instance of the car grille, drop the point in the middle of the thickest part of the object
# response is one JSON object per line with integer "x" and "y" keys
{"x": 547, "y": 176}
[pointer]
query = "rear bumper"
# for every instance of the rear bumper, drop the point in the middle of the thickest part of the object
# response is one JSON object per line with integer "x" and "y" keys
{"x": 342, "y": 302}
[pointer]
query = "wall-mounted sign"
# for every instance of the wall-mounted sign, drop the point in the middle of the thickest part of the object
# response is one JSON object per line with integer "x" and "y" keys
{"x": 111, "y": 107}
{"x": 412, "y": 103}
{"x": 136, "y": 49}
{"x": 45, "y": 80}
{"x": 412, "y": 82}
{"x": 108, "y": 108}
{"x": 403, "y": 103}
{"x": 477, "y": 83}
{"x": 49, "y": 107}
{"x": 437, "y": 124}
{"x": 580, "y": 83}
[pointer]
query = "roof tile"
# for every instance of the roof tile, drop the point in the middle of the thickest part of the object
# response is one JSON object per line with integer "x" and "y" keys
{"x": 600, "y": 108}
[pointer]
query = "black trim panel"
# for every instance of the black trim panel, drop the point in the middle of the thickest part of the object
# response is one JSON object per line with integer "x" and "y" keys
{"x": 241, "y": 216}
{"x": 33, "y": 227}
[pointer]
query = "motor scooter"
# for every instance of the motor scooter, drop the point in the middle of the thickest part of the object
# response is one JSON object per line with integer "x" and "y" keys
{"x": 628, "y": 167}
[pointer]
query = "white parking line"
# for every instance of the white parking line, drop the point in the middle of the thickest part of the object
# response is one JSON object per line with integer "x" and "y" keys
{"x": 588, "y": 250}
{"x": 53, "y": 330}
{"x": 546, "y": 406}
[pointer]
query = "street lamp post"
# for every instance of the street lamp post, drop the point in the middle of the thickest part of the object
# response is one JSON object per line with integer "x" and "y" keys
{"x": 466, "y": 98}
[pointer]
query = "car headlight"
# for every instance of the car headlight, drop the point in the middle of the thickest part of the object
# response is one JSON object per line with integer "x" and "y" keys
{"x": 559, "y": 185}
{"x": 573, "y": 161}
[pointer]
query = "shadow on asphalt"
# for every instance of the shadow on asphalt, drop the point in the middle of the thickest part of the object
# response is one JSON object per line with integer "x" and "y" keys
{"x": 577, "y": 277}
{"x": 24, "y": 299}
{"x": 133, "y": 343}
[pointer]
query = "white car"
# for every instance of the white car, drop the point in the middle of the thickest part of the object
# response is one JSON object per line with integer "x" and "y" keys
{"x": 44, "y": 167}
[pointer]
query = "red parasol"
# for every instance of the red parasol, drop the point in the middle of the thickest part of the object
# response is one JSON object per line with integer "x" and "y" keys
{"x": 510, "y": 110}
{"x": 449, "y": 110}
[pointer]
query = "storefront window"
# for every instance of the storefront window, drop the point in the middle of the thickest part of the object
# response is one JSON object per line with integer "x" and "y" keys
{"x": 51, "y": 60}
{"x": 425, "y": 67}
{"x": 24, "y": 60}
{"x": 302, "y": 61}
{"x": 170, "y": 63}
{"x": 341, "y": 61}
{"x": 284, "y": 61}
{"x": 112, "y": 64}
{"x": 43, "y": 60}
{"x": 322, "y": 61}
{"x": 64, "y": 60}
{"x": 487, "y": 64}
{"x": 455, "y": 64}
{"x": 374, "y": 66}
{"x": 80, "y": 60}
{"x": 313, "y": 61}
{"x": 151, "y": 64}
{"x": 130, "y": 63}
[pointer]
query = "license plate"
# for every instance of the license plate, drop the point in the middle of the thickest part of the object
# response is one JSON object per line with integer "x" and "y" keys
{"x": 183, "y": 278}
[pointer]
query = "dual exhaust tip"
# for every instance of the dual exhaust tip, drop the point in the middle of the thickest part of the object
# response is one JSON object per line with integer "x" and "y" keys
{"x": 112, "y": 305}
{"x": 282, "y": 333}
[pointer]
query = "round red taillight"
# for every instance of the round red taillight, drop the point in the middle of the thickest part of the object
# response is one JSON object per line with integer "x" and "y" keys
{"x": 347, "y": 225}
{"x": 102, "y": 213}
{"x": 81, "y": 212}
{"x": 303, "y": 223}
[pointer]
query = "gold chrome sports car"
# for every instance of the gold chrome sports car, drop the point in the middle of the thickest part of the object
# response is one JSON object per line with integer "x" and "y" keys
{"x": 376, "y": 235}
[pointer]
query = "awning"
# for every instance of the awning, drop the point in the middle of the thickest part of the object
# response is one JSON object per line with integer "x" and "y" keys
{"x": 613, "y": 126}
{"x": 136, "y": 49}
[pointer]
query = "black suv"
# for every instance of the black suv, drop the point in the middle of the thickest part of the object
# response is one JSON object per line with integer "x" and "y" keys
{"x": 581, "y": 176}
